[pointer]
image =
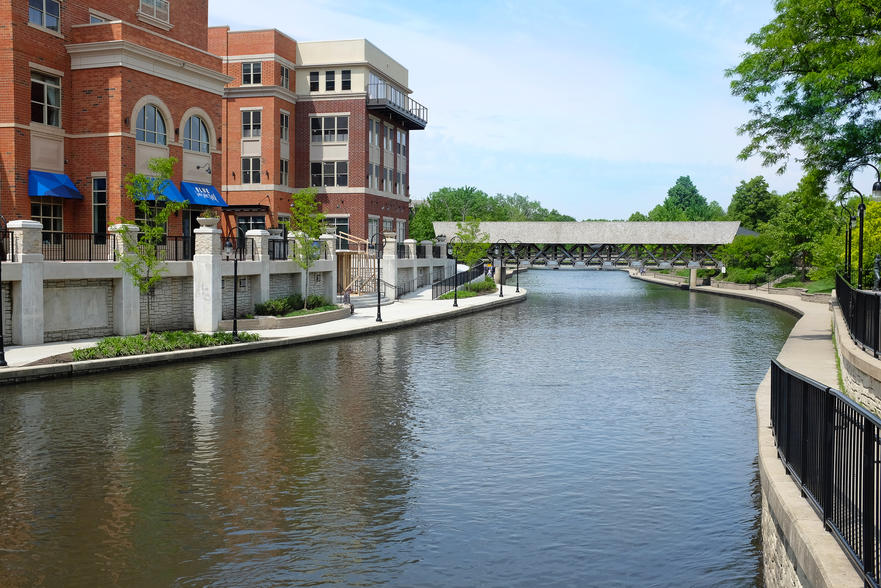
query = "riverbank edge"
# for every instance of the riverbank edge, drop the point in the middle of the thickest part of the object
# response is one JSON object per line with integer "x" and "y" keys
{"x": 797, "y": 550}
{"x": 21, "y": 374}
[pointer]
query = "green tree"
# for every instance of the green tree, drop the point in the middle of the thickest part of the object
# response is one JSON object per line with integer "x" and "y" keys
{"x": 753, "y": 203}
{"x": 804, "y": 217}
{"x": 472, "y": 245}
{"x": 637, "y": 217}
{"x": 306, "y": 223}
{"x": 143, "y": 260}
{"x": 685, "y": 203}
{"x": 813, "y": 80}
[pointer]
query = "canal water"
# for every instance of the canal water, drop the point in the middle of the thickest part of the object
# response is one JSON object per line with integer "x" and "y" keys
{"x": 602, "y": 433}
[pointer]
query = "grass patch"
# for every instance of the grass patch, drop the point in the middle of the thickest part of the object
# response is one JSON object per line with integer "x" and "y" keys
{"x": 286, "y": 305}
{"x": 812, "y": 286}
{"x": 302, "y": 312}
{"x": 158, "y": 342}
{"x": 472, "y": 289}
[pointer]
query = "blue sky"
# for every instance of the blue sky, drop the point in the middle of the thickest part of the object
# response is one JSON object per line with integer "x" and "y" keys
{"x": 593, "y": 108}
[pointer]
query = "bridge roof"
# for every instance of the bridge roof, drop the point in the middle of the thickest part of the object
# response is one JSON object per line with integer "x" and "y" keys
{"x": 617, "y": 232}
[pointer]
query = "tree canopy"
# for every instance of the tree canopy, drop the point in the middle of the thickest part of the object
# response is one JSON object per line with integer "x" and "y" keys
{"x": 813, "y": 80}
{"x": 683, "y": 203}
{"x": 753, "y": 203}
{"x": 469, "y": 203}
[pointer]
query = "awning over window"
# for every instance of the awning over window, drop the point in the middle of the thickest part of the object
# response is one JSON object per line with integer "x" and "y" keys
{"x": 49, "y": 184}
{"x": 205, "y": 194}
{"x": 170, "y": 191}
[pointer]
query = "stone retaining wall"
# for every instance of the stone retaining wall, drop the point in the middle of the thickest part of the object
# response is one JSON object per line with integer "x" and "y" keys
{"x": 860, "y": 371}
{"x": 171, "y": 307}
{"x": 283, "y": 285}
{"x": 777, "y": 556}
{"x": 77, "y": 309}
{"x": 244, "y": 299}
{"x": 6, "y": 293}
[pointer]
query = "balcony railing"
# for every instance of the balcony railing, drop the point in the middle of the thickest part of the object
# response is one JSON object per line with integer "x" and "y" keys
{"x": 385, "y": 96}
{"x": 79, "y": 246}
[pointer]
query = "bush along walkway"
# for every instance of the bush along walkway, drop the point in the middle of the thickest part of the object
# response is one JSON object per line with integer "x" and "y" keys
{"x": 156, "y": 343}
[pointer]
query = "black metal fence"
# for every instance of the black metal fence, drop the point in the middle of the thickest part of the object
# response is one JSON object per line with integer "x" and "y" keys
{"x": 441, "y": 287}
{"x": 862, "y": 314}
{"x": 279, "y": 249}
{"x": 420, "y": 252}
{"x": 436, "y": 251}
{"x": 402, "y": 251}
{"x": 79, "y": 246}
{"x": 233, "y": 247}
{"x": 830, "y": 446}
{"x": 7, "y": 245}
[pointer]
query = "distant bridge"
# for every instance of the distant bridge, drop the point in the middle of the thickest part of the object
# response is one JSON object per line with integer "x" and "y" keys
{"x": 607, "y": 244}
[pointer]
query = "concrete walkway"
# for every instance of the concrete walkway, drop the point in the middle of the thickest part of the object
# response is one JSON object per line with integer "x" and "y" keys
{"x": 411, "y": 309}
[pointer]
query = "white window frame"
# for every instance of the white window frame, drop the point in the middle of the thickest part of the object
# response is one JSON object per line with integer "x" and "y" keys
{"x": 99, "y": 201}
{"x": 252, "y": 73}
{"x": 331, "y": 174}
{"x": 51, "y": 85}
{"x": 321, "y": 130}
{"x": 44, "y": 17}
{"x": 284, "y": 125}
{"x": 200, "y": 143}
{"x": 388, "y": 137}
{"x": 330, "y": 81}
{"x": 345, "y": 80}
{"x": 251, "y": 172}
{"x": 50, "y": 213}
{"x": 283, "y": 171}
{"x": 157, "y": 9}
{"x": 143, "y": 132}
{"x": 252, "y": 123}
{"x": 314, "y": 81}
{"x": 284, "y": 74}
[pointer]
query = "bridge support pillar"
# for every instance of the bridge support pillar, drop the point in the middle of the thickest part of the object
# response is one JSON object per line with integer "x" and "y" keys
{"x": 692, "y": 278}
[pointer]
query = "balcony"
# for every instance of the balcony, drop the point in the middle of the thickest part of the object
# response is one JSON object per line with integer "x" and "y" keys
{"x": 406, "y": 111}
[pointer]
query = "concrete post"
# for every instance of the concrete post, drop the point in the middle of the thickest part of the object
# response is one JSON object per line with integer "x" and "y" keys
{"x": 27, "y": 295}
{"x": 443, "y": 248}
{"x": 411, "y": 248}
{"x": 429, "y": 250}
{"x": 390, "y": 261}
{"x": 692, "y": 278}
{"x": 328, "y": 248}
{"x": 261, "y": 254}
{"x": 207, "y": 284}
{"x": 126, "y": 295}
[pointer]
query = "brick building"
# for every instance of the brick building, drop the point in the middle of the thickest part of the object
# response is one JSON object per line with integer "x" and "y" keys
{"x": 92, "y": 91}
{"x": 335, "y": 115}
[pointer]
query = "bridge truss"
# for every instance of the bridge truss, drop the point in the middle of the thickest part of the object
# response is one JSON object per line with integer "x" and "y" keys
{"x": 606, "y": 254}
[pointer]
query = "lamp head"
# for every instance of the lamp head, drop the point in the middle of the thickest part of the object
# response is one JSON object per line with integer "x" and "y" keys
{"x": 876, "y": 190}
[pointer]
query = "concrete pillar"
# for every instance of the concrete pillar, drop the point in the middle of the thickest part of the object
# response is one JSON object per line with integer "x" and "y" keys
{"x": 207, "y": 284}
{"x": 27, "y": 295}
{"x": 410, "y": 245}
{"x": 328, "y": 247}
{"x": 126, "y": 295}
{"x": 429, "y": 251}
{"x": 443, "y": 248}
{"x": 692, "y": 278}
{"x": 261, "y": 254}
{"x": 390, "y": 261}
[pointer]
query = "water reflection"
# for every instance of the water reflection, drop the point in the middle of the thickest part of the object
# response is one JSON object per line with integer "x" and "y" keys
{"x": 533, "y": 444}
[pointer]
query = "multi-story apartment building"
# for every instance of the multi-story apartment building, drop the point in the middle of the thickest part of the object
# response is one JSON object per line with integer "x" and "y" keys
{"x": 334, "y": 115}
{"x": 91, "y": 92}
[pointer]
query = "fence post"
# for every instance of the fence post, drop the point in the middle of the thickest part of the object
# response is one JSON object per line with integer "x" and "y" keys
{"x": 207, "y": 292}
{"x": 260, "y": 239}
{"x": 826, "y": 501}
{"x": 328, "y": 248}
{"x": 869, "y": 498}
{"x": 126, "y": 296}
{"x": 27, "y": 294}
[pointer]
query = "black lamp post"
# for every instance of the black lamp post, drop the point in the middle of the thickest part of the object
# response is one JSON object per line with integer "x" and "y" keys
{"x": 516, "y": 246}
{"x": 848, "y": 248}
{"x": 3, "y": 234}
{"x": 451, "y": 251}
{"x": 876, "y": 195}
{"x": 378, "y": 247}
{"x": 500, "y": 253}
{"x": 235, "y": 287}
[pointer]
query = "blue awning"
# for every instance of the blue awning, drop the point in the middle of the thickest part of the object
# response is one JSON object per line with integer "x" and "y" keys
{"x": 49, "y": 184}
{"x": 170, "y": 191}
{"x": 202, "y": 194}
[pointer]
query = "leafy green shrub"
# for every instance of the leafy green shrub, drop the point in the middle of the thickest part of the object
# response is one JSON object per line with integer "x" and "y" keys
{"x": 462, "y": 294}
{"x": 315, "y": 301}
{"x": 485, "y": 285}
{"x": 745, "y": 275}
{"x": 315, "y": 310}
{"x": 167, "y": 341}
{"x": 279, "y": 306}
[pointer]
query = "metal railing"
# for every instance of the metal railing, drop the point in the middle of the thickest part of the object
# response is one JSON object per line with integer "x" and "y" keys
{"x": 402, "y": 251}
{"x": 172, "y": 249}
{"x": 7, "y": 245}
{"x": 831, "y": 448}
{"x": 279, "y": 249}
{"x": 385, "y": 94}
{"x": 420, "y": 252}
{"x": 862, "y": 314}
{"x": 234, "y": 248}
{"x": 441, "y": 287}
{"x": 79, "y": 246}
{"x": 436, "y": 251}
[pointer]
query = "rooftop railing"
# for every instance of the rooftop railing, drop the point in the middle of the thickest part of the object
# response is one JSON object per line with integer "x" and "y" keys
{"x": 388, "y": 96}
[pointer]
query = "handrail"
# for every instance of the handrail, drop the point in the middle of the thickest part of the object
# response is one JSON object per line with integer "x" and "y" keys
{"x": 441, "y": 287}
{"x": 831, "y": 446}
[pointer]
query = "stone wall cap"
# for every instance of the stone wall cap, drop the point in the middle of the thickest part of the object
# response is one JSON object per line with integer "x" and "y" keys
{"x": 24, "y": 224}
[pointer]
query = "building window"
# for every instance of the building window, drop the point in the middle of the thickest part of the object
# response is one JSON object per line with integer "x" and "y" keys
{"x": 45, "y": 99}
{"x": 372, "y": 227}
{"x": 250, "y": 170}
{"x": 99, "y": 207}
{"x": 284, "y": 126}
{"x": 44, "y": 13}
{"x": 329, "y": 173}
{"x": 387, "y": 179}
{"x": 402, "y": 143}
{"x": 313, "y": 81}
{"x": 399, "y": 186}
{"x": 285, "y": 78}
{"x": 283, "y": 172}
{"x": 150, "y": 126}
{"x": 372, "y": 132}
{"x": 196, "y": 135}
{"x": 246, "y": 223}
{"x": 48, "y": 211}
{"x": 373, "y": 175}
{"x": 388, "y": 137}
{"x": 157, "y": 9}
{"x": 337, "y": 225}
{"x": 388, "y": 225}
{"x": 284, "y": 222}
{"x": 251, "y": 73}
{"x": 251, "y": 123}
{"x": 346, "y": 79}
{"x": 95, "y": 19}
{"x": 401, "y": 230}
{"x": 329, "y": 81}
{"x": 330, "y": 129}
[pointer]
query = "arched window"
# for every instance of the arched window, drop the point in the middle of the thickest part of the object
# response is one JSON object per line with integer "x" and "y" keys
{"x": 196, "y": 135}
{"x": 150, "y": 126}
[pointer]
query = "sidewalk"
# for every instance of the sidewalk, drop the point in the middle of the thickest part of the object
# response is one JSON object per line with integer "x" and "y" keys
{"x": 411, "y": 309}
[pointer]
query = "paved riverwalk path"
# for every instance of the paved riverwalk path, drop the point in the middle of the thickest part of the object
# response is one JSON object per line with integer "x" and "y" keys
{"x": 411, "y": 309}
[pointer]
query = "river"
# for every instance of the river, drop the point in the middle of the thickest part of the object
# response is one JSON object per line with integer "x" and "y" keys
{"x": 601, "y": 433}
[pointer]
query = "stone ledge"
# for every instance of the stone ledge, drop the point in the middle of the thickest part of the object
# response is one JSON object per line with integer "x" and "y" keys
{"x": 285, "y": 322}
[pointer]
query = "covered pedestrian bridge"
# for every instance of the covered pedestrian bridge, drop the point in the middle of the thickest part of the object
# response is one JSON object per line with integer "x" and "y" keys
{"x": 602, "y": 244}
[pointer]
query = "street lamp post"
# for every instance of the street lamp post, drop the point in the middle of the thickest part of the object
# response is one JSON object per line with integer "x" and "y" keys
{"x": 516, "y": 246}
{"x": 451, "y": 250}
{"x": 500, "y": 253}
{"x": 4, "y": 232}
{"x": 876, "y": 195}
{"x": 848, "y": 247}
{"x": 378, "y": 247}
{"x": 228, "y": 249}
